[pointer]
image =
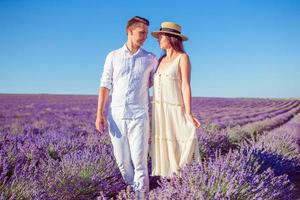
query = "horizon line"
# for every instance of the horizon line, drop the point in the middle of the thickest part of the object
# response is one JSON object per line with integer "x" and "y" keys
{"x": 74, "y": 94}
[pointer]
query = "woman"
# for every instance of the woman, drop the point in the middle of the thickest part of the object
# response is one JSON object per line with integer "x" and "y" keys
{"x": 174, "y": 140}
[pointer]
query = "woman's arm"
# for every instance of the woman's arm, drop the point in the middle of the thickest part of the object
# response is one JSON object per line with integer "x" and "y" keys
{"x": 185, "y": 70}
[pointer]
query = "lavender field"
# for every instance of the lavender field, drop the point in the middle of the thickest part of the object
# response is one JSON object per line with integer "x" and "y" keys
{"x": 49, "y": 149}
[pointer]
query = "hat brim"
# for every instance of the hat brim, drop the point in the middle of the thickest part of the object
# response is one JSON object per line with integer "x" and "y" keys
{"x": 156, "y": 33}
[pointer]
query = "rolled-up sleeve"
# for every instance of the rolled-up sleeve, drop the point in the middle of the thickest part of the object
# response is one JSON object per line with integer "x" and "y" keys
{"x": 107, "y": 74}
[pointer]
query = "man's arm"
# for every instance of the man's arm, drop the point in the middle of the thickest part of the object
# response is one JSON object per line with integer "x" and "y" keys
{"x": 105, "y": 87}
{"x": 154, "y": 63}
{"x": 101, "y": 123}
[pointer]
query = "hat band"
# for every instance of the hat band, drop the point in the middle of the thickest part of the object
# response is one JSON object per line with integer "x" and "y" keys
{"x": 169, "y": 30}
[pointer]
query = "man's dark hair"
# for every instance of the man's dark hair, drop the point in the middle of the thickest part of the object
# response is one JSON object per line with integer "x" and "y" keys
{"x": 137, "y": 19}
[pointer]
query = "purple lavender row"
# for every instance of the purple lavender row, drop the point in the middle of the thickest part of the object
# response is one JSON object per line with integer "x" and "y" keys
{"x": 223, "y": 123}
{"x": 249, "y": 114}
{"x": 237, "y": 175}
{"x": 44, "y": 156}
{"x": 249, "y": 172}
{"x": 242, "y": 110}
{"x": 49, "y": 150}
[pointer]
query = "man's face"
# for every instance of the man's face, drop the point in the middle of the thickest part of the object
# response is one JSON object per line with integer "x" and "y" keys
{"x": 138, "y": 33}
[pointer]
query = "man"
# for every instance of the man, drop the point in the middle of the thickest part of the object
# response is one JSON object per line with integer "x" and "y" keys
{"x": 127, "y": 75}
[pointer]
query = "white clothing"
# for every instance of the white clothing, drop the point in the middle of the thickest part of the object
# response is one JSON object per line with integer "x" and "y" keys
{"x": 130, "y": 143}
{"x": 128, "y": 77}
{"x": 174, "y": 137}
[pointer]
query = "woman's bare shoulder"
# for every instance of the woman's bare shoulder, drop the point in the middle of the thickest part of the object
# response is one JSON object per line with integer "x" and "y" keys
{"x": 184, "y": 58}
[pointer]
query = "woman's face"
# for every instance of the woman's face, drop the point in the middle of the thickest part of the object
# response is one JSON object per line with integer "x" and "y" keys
{"x": 163, "y": 41}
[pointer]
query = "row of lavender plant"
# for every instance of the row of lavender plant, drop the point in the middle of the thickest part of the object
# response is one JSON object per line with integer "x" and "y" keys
{"x": 239, "y": 174}
{"x": 248, "y": 130}
{"x": 253, "y": 111}
{"x": 238, "y": 170}
{"x": 50, "y": 150}
{"x": 221, "y": 107}
{"x": 284, "y": 143}
{"x": 55, "y": 155}
{"x": 251, "y": 130}
{"x": 57, "y": 167}
{"x": 242, "y": 116}
{"x": 213, "y": 138}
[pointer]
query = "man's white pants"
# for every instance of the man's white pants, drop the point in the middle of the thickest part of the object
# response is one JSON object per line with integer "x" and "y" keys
{"x": 129, "y": 138}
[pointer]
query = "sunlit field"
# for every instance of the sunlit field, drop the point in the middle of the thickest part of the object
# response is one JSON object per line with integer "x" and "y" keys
{"x": 49, "y": 149}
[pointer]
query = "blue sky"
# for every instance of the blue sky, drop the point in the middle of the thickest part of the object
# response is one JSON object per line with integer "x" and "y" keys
{"x": 246, "y": 48}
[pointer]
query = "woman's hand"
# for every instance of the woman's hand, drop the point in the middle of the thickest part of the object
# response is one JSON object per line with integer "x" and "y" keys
{"x": 194, "y": 120}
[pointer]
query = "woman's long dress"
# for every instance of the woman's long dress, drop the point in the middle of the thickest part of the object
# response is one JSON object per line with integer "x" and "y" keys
{"x": 174, "y": 139}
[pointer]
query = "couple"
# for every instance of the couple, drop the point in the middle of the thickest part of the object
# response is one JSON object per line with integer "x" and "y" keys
{"x": 128, "y": 73}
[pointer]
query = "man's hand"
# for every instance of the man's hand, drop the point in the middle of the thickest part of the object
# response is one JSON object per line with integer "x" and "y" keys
{"x": 101, "y": 123}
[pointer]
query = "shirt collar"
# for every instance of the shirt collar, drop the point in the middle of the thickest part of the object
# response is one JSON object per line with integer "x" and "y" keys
{"x": 126, "y": 50}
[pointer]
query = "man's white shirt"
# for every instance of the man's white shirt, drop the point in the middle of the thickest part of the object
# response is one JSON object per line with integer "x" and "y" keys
{"x": 128, "y": 77}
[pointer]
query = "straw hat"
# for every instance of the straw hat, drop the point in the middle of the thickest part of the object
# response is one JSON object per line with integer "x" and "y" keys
{"x": 170, "y": 28}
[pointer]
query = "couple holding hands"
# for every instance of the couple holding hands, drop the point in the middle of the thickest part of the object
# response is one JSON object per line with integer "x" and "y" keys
{"x": 128, "y": 73}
